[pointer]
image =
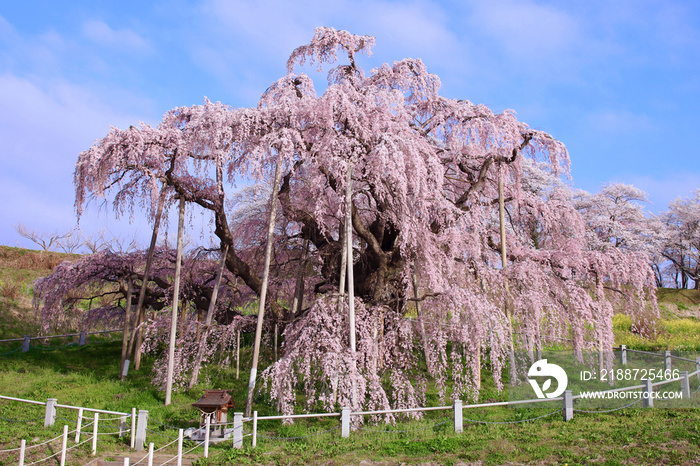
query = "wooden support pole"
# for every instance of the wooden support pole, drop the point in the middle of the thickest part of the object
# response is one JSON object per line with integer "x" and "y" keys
{"x": 504, "y": 264}
{"x": 238, "y": 353}
{"x": 176, "y": 301}
{"x": 348, "y": 240}
{"x": 263, "y": 288}
{"x": 127, "y": 324}
{"x": 208, "y": 320}
{"x": 137, "y": 334}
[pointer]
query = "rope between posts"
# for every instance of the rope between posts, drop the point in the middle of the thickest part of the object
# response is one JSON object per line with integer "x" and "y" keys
{"x": 514, "y": 422}
{"x": 193, "y": 448}
{"x": 13, "y": 351}
{"x": 607, "y": 410}
{"x": 158, "y": 433}
{"x": 49, "y": 348}
{"x": 166, "y": 445}
{"x": 67, "y": 449}
{"x": 304, "y": 436}
{"x": 44, "y": 443}
{"x": 111, "y": 418}
{"x": 404, "y": 431}
{"x": 112, "y": 433}
{"x": 165, "y": 425}
{"x": 21, "y": 420}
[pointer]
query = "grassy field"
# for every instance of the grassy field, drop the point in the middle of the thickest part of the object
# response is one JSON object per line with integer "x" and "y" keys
{"x": 88, "y": 376}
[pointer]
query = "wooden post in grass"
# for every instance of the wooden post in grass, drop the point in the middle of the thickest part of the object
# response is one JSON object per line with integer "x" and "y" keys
{"x": 238, "y": 430}
{"x": 50, "y": 416}
{"x": 141, "y": 430}
{"x": 568, "y": 408}
{"x": 176, "y": 302}
{"x": 458, "y": 417}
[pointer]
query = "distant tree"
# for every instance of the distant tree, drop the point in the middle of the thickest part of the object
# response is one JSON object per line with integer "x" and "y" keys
{"x": 424, "y": 201}
{"x": 616, "y": 217}
{"x": 44, "y": 240}
{"x": 682, "y": 245}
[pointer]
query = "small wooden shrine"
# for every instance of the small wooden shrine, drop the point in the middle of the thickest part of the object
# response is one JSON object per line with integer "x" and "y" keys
{"x": 214, "y": 403}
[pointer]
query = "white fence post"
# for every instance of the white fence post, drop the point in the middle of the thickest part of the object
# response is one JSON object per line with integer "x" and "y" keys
{"x": 697, "y": 366}
{"x": 132, "y": 434}
{"x": 237, "y": 430}
{"x": 25, "y": 344}
{"x": 141, "y": 430}
{"x": 79, "y": 425}
{"x": 568, "y": 408}
{"x": 126, "y": 461}
{"x": 667, "y": 360}
{"x": 255, "y": 429}
{"x": 150, "y": 454}
{"x": 81, "y": 341}
{"x": 22, "y": 448}
{"x": 623, "y": 354}
{"x": 345, "y": 422}
{"x": 459, "y": 422}
{"x": 207, "y": 429}
{"x": 64, "y": 445}
{"x": 648, "y": 393}
{"x": 94, "y": 434}
{"x": 685, "y": 384}
{"x": 180, "y": 436}
{"x": 50, "y": 416}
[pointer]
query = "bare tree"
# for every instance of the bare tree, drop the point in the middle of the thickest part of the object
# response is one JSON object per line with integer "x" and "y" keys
{"x": 44, "y": 240}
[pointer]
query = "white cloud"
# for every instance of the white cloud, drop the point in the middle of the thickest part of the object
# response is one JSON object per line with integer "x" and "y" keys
{"x": 262, "y": 35}
{"x": 526, "y": 30}
{"x": 620, "y": 122}
{"x": 102, "y": 33}
{"x": 664, "y": 187}
{"x": 44, "y": 126}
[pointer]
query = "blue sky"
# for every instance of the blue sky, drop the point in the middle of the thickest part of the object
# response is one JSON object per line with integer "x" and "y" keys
{"x": 617, "y": 82}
